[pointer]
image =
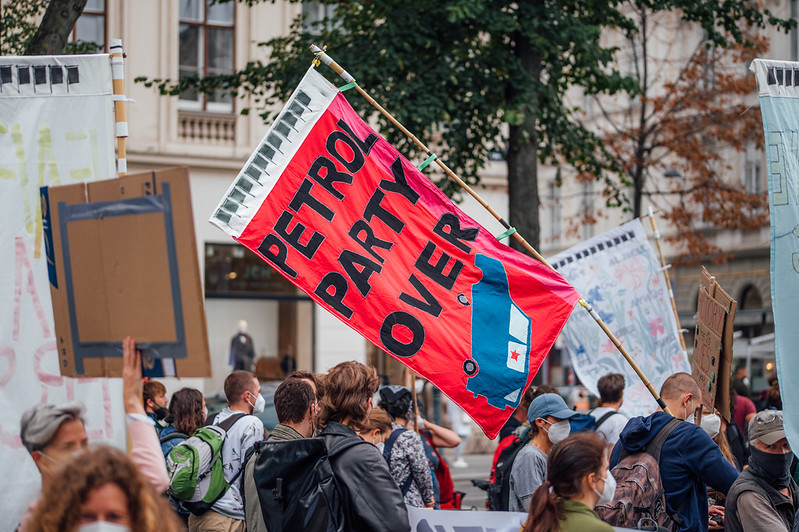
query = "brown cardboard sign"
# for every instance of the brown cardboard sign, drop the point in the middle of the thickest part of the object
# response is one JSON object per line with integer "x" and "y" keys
{"x": 712, "y": 356}
{"x": 122, "y": 259}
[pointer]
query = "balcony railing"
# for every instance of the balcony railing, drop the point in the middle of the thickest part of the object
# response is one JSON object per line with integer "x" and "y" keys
{"x": 207, "y": 128}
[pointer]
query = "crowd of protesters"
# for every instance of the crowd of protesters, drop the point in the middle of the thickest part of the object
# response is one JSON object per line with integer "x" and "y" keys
{"x": 382, "y": 458}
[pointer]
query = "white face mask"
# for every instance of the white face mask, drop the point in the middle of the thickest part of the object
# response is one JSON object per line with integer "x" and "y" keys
{"x": 606, "y": 497}
{"x": 558, "y": 431}
{"x": 259, "y": 405}
{"x": 689, "y": 417}
{"x": 205, "y": 414}
{"x": 103, "y": 526}
{"x": 711, "y": 424}
{"x": 380, "y": 446}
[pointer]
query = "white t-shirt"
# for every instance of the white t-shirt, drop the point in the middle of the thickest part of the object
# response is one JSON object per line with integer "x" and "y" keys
{"x": 241, "y": 436}
{"x": 612, "y": 426}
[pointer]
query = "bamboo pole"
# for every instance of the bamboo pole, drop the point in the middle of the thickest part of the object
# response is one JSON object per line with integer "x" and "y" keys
{"x": 120, "y": 112}
{"x": 321, "y": 56}
{"x": 656, "y": 234}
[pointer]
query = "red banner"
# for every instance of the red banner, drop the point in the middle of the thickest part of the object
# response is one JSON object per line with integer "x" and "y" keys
{"x": 346, "y": 218}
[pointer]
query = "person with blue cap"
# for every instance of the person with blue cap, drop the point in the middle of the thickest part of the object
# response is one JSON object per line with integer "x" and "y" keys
{"x": 549, "y": 424}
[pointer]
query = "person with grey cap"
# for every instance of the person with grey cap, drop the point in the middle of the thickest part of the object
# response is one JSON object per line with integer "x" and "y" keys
{"x": 549, "y": 424}
{"x": 52, "y": 434}
{"x": 764, "y": 497}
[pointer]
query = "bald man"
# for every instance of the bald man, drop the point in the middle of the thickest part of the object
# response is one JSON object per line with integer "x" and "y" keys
{"x": 689, "y": 459}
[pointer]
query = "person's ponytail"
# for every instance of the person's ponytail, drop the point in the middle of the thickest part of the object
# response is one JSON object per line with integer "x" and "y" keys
{"x": 544, "y": 510}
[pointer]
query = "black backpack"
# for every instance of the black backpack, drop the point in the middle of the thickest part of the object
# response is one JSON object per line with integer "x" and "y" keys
{"x": 499, "y": 490}
{"x": 289, "y": 485}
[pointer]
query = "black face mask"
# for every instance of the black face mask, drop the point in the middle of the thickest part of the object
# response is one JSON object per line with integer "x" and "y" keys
{"x": 776, "y": 468}
{"x": 161, "y": 412}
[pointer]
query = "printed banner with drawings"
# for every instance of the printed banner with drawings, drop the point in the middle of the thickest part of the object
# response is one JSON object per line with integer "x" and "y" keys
{"x": 778, "y": 88}
{"x": 56, "y": 127}
{"x": 620, "y": 275}
{"x": 346, "y": 218}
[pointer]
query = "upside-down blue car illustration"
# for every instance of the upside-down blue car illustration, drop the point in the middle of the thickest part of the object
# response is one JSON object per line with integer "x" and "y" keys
{"x": 498, "y": 366}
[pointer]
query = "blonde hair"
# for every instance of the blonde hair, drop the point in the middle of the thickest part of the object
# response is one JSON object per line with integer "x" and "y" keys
{"x": 59, "y": 508}
{"x": 379, "y": 420}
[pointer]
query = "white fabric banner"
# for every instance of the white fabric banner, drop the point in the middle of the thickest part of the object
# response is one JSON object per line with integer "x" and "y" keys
{"x": 620, "y": 275}
{"x": 778, "y": 88}
{"x": 424, "y": 520}
{"x": 56, "y": 128}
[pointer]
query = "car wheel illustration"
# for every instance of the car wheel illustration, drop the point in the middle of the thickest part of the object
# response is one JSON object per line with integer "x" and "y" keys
{"x": 469, "y": 367}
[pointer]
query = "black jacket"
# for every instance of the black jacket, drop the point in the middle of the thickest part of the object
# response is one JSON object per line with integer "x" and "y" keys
{"x": 372, "y": 501}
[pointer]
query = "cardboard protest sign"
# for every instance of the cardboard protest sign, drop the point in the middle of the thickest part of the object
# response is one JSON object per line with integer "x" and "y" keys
{"x": 122, "y": 260}
{"x": 342, "y": 215}
{"x": 713, "y": 344}
{"x": 779, "y": 103}
{"x": 620, "y": 274}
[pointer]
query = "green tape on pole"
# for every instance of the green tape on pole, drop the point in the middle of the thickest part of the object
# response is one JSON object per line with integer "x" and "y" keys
{"x": 507, "y": 233}
{"x": 427, "y": 161}
{"x": 348, "y": 86}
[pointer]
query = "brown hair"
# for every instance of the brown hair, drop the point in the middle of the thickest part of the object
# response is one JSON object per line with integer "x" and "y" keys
{"x": 724, "y": 446}
{"x": 678, "y": 384}
{"x": 348, "y": 388}
{"x": 237, "y": 383}
{"x": 293, "y": 398}
{"x": 315, "y": 379}
{"x": 380, "y": 420}
{"x": 60, "y": 506}
{"x": 568, "y": 463}
{"x": 151, "y": 389}
{"x": 611, "y": 388}
{"x": 186, "y": 409}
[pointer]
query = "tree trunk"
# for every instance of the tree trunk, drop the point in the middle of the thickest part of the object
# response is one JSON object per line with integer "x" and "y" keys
{"x": 522, "y": 160}
{"x": 53, "y": 32}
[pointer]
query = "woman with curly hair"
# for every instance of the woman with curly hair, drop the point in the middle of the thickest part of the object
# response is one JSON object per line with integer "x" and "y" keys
{"x": 187, "y": 413}
{"x": 577, "y": 480}
{"x": 102, "y": 489}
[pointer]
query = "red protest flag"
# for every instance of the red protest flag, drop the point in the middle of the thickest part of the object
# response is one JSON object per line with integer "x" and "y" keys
{"x": 351, "y": 222}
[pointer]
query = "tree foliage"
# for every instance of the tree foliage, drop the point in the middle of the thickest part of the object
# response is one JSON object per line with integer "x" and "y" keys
{"x": 41, "y": 27}
{"x": 688, "y": 126}
{"x": 477, "y": 76}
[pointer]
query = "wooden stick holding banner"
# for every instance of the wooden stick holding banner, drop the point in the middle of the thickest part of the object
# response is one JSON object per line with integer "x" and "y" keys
{"x": 321, "y": 56}
{"x": 656, "y": 234}
{"x": 120, "y": 112}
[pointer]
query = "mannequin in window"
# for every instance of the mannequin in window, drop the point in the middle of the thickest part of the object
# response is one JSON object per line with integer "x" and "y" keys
{"x": 242, "y": 351}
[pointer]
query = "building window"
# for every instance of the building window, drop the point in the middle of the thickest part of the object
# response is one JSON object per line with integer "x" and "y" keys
{"x": 315, "y": 12}
{"x": 206, "y": 48}
{"x": 587, "y": 210}
{"x": 233, "y": 271}
{"x": 88, "y": 35}
{"x": 554, "y": 212}
{"x": 753, "y": 181}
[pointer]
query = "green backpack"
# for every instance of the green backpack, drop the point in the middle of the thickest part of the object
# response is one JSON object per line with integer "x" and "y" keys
{"x": 196, "y": 476}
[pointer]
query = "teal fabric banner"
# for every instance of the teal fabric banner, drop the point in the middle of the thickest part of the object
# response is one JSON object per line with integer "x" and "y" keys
{"x": 778, "y": 88}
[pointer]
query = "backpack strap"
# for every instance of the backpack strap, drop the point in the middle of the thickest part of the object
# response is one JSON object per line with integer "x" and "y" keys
{"x": 604, "y": 418}
{"x": 657, "y": 442}
{"x": 172, "y": 436}
{"x": 389, "y": 445}
{"x": 229, "y": 422}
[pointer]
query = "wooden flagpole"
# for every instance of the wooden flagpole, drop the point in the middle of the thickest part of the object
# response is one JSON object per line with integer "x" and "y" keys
{"x": 656, "y": 234}
{"x": 321, "y": 56}
{"x": 120, "y": 112}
